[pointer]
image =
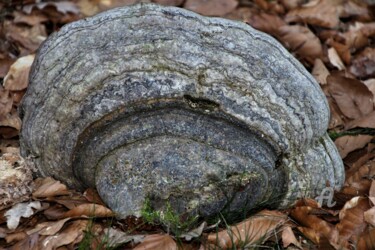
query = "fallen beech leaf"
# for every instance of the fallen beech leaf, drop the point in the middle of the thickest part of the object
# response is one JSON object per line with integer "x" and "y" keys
{"x": 370, "y": 83}
{"x": 366, "y": 241}
{"x": 321, "y": 13}
{"x": 116, "y": 237}
{"x": 89, "y": 210}
{"x": 50, "y": 187}
{"x": 195, "y": 233}
{"x": 69, "y": 235}
{"x": 352, "y": 222}
{"x": 18, "y": 76}
{"x": 48, "y": 227}
{"x": 367, "y": 121}
{"x": 257, "y": 228}
{"x": 371, "y": 192}
{"x": 347, "y": 144}
{"x": 335, "y": 59}
{"x": 320, "y": 72}
{"x": 10, "y": 124}
{"x": 299, "y": 39}
{"x": 92, "y": 196}
{"x": 19, "y": 210}
{"x": 356, "y": 37}
{"x": 211, "y": 7}
{"x": 291, "y": 4}
{"x": 14, "y": 237}
{"x": 363, "y": 65}
{"x": 304, "y": 217}
{"x": 369, "y": 216}
{"x": 266, "y": 22}
{"x": 352, "y": 97}
{"x": 288, "y": 237}
{"x": 5, "y": 65}
{"x": 241, "y": 14}
{"x": 55, "y": 212}
{"x": 311, "y": 234}
{"x": 157, "y": 242}
{"x": 360, "y": 178}
{"x": 169, "y": 2}
{"x": 6, "y": 102}
{"x": 34, "y": 18}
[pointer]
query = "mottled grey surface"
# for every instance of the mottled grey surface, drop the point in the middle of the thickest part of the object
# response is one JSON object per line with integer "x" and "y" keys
{"x": 159, "y": 102}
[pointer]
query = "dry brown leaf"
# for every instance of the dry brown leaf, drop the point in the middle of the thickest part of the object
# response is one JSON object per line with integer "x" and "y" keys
{"x": 367, "y": 121}
{"x": 299, "y": 39}
{"x": 5, "y": 65}
{"x": 288, "y": 238}
{"x": 92, "y": 196}
{"x": 359, "y": 179}
{"x": 64, "y": 7}
{"x": 10, "y": 124}
{"x": 369, "y": 216}
{"x": 363, "y": 65}
{"x": 352, "y": 97}
{"x": 371, "y": 192}
{"x": 291, "y": 4}
{"x": 304, "y": 217}
{"x": 347, "y": 144}
{"x": 211, "y": 7}
{"x": 169, "y": 2}
{"x": 321, "y": 13}
{"x": 34, "y": 18}
{"x": 89, "y": 210}
{"x": 55, "y": 212}
{"x": 370, "y": 83}
{"x": 320, "y": 72}
{"x": 48, "y": 227}
{"x": 352, "y": 222}
{"x": 311, "y": 234}
{"x": 18, "y": 76}
{"x": 14, "y": 237}
{"x": 69, "y": 235}
{"x": 366, "y": 241}
{"x": 266, "y": 22}
{"x": 259, "y": 227}
{"x": 335, "y": 59}
{"x": 157, "y": 242}
{"x": 6, "y": 102}
{"x": 49, "y": 187}
{"x": 357, "y": 36}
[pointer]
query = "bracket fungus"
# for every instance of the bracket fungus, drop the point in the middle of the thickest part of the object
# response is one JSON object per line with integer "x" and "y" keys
{"x": 161, "y": 104}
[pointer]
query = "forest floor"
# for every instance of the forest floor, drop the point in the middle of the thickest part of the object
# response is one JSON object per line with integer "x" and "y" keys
{"x": 334, "y": 40}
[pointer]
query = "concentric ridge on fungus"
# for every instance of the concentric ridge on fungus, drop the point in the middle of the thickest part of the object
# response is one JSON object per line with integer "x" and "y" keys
{"x": 205, "y": 114}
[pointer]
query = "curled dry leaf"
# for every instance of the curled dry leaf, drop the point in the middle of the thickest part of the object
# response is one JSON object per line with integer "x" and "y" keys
{"x": 352, "y": 222}
{"x": 67, "y": 236}
{"x": 369, "y": 216}
{"x": 366, "y": 240}
{"x": 34, "y": 18}
{"x": 347, "y": 143}
{"x": 320, "y": 13}
{"x": 64, "y": 7}
{"x": 116, "y": 237}
{"x": 6, "y": 102}
{"x": 169, "y": 2}
{"x": 49, "y": 187}
{"x": 266, "y": 22}
{"x": 10, "y": 124}
{"x": 89, "y": 210}
{"x": 335, "y": 59}
{"x": 211, "y": 7}
{"x": 48, "y": 227}
{"x": 320, "y": 72}
{"x": 304, "y": 217}
{"x": 363, "y": 65}
{"x": 18, "y": 76}
{"x": 352, "y": 97}
{"x": 157, "y": 242}
{"x": 299, "y": 39}
{"x": 288, "y": 238}
{"x": 367, "y": 121}
{"x": 257, "y": 228}
{"x": 311, "y": 234}
{"x": 358, "y": 180}
{"x": 370, "y": 83}
{"x": 195, "y": 233}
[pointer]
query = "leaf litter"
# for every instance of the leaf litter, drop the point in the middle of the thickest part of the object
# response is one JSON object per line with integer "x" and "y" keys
{"x": 334, "y": 40}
